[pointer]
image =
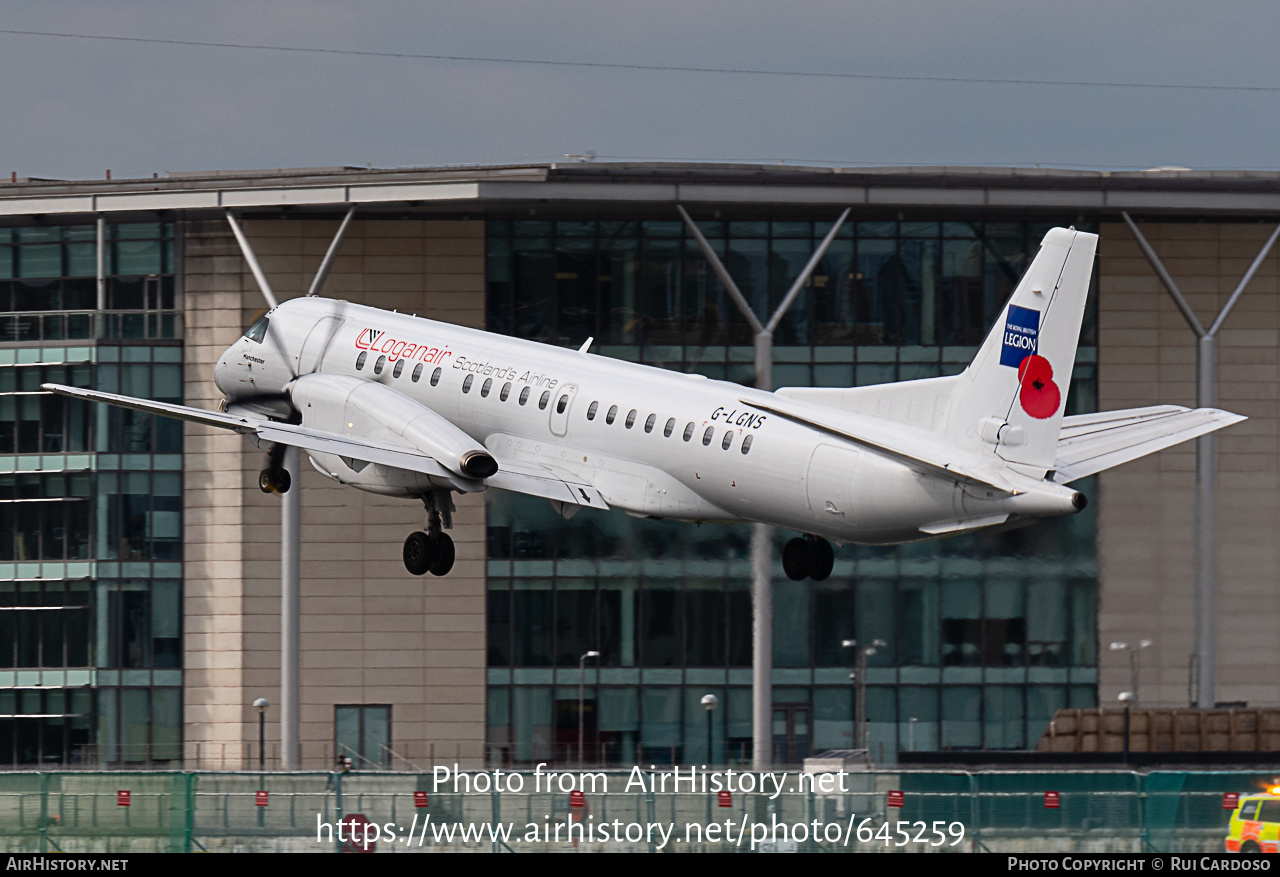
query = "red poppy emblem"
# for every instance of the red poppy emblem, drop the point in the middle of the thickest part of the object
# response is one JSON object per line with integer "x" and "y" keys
{"x": 1039, "y": 395}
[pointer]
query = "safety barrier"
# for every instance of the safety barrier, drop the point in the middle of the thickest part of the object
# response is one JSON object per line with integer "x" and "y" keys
{"x": 936, "y": 811}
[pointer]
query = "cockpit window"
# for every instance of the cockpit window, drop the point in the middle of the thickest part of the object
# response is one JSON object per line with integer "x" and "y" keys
{"x": 258, "y": 331}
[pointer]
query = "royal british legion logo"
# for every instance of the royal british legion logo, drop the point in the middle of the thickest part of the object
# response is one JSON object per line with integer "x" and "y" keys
{"x": 1021, "y": 332}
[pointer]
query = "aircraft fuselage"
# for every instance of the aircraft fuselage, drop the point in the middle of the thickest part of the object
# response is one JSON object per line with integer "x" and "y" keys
{"x": 653, "y": 442}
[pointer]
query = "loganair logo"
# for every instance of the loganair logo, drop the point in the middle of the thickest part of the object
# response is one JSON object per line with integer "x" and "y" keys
{"x": 1021, "y": 335}
{"x": 377, "y": 341}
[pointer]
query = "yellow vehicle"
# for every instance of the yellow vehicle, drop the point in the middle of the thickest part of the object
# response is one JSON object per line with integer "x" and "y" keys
{"x": 1255, "y": 824}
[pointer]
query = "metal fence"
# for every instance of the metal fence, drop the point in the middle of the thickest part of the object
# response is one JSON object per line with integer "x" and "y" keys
{"x": 934, "y": 811}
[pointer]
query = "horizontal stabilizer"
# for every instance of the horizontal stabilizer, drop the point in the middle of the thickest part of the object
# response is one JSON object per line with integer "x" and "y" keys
{"x": 1090, "y": 443}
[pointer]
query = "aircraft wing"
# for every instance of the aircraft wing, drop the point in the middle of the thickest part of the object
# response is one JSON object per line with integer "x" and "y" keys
{"x": 1090, "y": 443}
{"x": 517, "y": 477}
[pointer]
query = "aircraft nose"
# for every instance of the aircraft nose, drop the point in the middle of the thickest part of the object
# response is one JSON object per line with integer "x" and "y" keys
{"x": 222, "y": 373}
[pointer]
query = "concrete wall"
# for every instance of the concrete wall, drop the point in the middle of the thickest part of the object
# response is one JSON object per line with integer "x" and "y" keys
{"x": 371, "y": 633}
{"x": 1147, "y": 356}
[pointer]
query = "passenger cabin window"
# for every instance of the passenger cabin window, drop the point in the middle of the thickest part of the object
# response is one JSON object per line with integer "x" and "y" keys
{"x": 417, "y": 373}
{"x": 435, "y": 377}
{"x": 591, "y": 411}
{"x": 524, "y": 395}
{"x": 506, "y": 391}
{"x": 562, "y": 404}
{"x": 688, "y": 432}
{"x": 746, "y": 444}
{"x": 485, "y": 387}
{"x": 546, "y": 397}
{"x": 728, "y": 440}
{"x": 706, "y": 436}
{"x": 361, "y": 359}
{"x": 466, "y": 385}
{"x": 631, "y": 418}
{"x": 648, "y": 424}
{"x": 612, "y": 415}
{"x": 399, "y": 369}
{"x": 670, "y": 427}
{"x": 377, "y": 366}
{"x": 258, "y": 331}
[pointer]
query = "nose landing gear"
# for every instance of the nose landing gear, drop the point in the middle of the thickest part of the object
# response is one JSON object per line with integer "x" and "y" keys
{"x": 808, "y": 557}
{"x": 432, "y": 551}
{"x": 275, "y": 478}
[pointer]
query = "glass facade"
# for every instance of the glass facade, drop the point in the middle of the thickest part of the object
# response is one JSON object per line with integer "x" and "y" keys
{"x": 988, "y": 634}
{"x": 90, "y": 499}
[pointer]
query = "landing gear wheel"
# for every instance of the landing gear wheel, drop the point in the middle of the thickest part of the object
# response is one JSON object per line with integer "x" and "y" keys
{"x": 274, "y": 480}
{"x": 419, "y": 553}
{"x": 822, "y": 558}
{"x": 443, "y": 560}
{"x": 795, "y": 559}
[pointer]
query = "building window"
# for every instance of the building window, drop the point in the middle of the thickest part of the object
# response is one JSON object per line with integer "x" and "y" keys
{"x": 363, "y": 734}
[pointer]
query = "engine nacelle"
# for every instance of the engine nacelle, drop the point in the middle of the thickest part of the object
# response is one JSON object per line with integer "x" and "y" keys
{"x": 347, "y": 405}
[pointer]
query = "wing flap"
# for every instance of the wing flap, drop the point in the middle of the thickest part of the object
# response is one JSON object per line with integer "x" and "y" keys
{"x": 536, "y": 480}
{"x": 1091, "y": 443}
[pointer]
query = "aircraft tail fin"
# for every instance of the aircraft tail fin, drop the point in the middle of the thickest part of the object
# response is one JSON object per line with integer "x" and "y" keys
{"x": 1013, "y": 395}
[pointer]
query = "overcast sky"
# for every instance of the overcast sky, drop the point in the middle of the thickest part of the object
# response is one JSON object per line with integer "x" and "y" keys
{"x": 73, "y": 108}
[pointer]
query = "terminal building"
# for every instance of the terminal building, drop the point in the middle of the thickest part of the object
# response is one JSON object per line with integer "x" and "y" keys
{"x": 140, "y": 563}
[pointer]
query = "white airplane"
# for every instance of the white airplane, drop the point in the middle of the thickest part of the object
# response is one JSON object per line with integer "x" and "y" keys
{"x": 402, "y": 406}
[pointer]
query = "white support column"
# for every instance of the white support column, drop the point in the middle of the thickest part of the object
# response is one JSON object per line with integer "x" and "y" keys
{"x": 1205, "y": 657}
{"x": 761, "y": 534}
{"x": 290, "y": 611}
{"x": 102, "y": 264}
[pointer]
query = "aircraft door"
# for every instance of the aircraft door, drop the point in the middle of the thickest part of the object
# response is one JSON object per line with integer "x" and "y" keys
{"x": 829, "y": 483}
{"x": 317, "y": 343}
{"x": 561, "y": 405}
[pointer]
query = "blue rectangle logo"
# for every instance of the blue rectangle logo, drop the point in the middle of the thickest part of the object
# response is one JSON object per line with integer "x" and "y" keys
{"x": 1021, "y": 335}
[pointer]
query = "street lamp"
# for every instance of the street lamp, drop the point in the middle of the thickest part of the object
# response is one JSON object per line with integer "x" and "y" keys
{"x": 1133, "y": 663}
{"x": 582, "y": 695}
{"x": 1126, "y": 698}
{"x": 859, "y": 677}
{"x": 709, "y": 702}
{"x": 261, "y": 705}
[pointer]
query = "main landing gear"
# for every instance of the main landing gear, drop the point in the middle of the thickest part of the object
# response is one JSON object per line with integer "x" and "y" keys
{"x": 432, "y": 551}
{"x": 808, "y": 557}
{"x": 275, "y": 478}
